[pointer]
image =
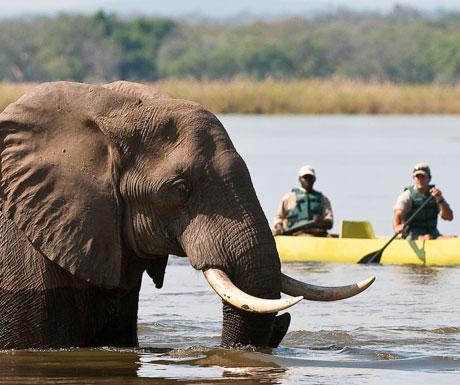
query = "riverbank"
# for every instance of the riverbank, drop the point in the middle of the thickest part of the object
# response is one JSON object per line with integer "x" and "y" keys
{"x": 299, "y": 97}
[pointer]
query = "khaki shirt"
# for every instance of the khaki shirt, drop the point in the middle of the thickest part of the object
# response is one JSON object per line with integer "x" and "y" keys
{"x": 288, "y": 202}
{"x": 404, "y": 202}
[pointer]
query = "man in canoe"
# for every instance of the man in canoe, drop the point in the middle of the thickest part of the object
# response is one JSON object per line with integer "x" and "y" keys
{"x": 304, "y": 211}
{"x": 424, "y": 224}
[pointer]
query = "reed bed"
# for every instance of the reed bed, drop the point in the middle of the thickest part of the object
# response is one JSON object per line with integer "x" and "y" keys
{"x": 316, "y": 97}
{"x": 10, "y": 92}
{"x": 298, "y": 97}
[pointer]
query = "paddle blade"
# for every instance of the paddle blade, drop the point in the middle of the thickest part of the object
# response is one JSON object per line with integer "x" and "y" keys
{"x": 372, "y": 257}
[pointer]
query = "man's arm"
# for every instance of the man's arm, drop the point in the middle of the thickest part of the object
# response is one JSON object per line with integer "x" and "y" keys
{"x": 444, "y": 208}
{"x": 398, "y": 226}
{"x": 326, "y": 220}
{"x": 446, "y": 211}
{"x": 281, "y": 214}
{"x": 402, "y": 207}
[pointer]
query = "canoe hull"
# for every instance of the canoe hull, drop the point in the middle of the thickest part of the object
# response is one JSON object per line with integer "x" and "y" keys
{"x": 351, "y": 250}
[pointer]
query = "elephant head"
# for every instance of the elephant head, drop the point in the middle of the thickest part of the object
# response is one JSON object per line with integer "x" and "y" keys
{"x": 92, "y": 174}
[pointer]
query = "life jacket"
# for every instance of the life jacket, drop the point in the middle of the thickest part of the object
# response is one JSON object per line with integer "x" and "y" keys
{"x": 307, "y": 205}
{"x": 426, "y": 221}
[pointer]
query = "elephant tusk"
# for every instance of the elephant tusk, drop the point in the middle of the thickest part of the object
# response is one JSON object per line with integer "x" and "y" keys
{"x": 224, "y": 287}
{"x": 293, "y": 287}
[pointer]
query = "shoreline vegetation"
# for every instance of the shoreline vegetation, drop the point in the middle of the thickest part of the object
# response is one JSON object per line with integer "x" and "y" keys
{"x": 335, "y": 96}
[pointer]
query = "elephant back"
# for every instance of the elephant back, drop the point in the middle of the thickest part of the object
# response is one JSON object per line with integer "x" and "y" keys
{"x": 141, "y": 91}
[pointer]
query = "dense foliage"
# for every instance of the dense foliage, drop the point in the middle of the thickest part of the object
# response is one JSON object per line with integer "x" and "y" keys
{"x": 402, "y": 47}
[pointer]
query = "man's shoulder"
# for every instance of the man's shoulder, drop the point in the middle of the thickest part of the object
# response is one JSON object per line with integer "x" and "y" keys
{"x": 403, "y": 201}
{"x": 289, "y": 194}
{"x": 406, "y": 193}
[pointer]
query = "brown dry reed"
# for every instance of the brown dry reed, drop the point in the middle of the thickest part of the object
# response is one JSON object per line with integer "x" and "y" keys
{"x": 334, "y": 96}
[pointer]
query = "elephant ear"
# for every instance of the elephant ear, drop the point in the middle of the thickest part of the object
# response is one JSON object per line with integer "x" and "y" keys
{"x": 58, "y": 177}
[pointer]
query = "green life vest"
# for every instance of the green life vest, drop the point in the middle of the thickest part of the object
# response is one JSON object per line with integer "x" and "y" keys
{"x": 307, "y": 205}
{"x": 426, "y": 221}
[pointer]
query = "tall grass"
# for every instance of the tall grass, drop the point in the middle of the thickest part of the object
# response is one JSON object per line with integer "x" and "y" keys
{"x": 10, "y": 92}
{"x": 316, "y": 97}
{"x": 299, "y": 97}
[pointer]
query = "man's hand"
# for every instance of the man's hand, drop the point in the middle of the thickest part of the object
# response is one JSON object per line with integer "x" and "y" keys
{"x": 399, "y": 229}
{"x": 318, "y": 219}
{"x": 322, "y": 223}
{"x": 437, "y": 194}
{"x": 279, "y": 230}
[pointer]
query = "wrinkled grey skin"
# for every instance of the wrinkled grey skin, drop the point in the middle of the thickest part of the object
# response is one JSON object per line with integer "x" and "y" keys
{"x": 101, "y": 183}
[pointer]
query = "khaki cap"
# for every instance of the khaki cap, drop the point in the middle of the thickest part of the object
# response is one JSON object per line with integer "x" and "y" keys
{"x": 421, "y": 168}
{"x": 307, "y": 170}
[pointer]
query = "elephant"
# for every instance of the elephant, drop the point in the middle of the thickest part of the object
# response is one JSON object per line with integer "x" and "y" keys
{"x": 101, "y": 183}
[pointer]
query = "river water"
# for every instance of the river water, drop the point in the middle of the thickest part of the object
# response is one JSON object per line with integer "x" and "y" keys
{"x": 404, "y": 329}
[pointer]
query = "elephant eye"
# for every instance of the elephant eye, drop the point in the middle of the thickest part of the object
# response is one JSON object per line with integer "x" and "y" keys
{"x": 182, "y": 189}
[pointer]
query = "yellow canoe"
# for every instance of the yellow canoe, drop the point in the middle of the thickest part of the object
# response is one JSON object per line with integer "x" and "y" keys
{"x": 351, "y": 250}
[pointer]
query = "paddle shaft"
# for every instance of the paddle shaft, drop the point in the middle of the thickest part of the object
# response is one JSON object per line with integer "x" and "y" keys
{"x": 294, "y": 228}
{"x": 384, "y": 247}
{"x": 376, "y": 256}
{"x": 411, "y": 218}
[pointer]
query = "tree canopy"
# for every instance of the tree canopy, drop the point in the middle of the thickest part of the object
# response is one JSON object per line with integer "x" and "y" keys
{"x": 403, "y": 46}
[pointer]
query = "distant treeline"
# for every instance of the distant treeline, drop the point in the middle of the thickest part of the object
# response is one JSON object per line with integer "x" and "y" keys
{"x": 403, "y": 46}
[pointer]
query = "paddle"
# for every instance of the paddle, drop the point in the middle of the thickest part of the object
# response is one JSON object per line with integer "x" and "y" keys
{"x": 301, "y": 225}
{"x": 377, "y": 255}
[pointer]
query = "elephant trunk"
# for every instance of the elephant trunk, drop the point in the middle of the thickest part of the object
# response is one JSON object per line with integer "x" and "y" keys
{"x": 260, "y": 278}
{"x": 241, "y": 328}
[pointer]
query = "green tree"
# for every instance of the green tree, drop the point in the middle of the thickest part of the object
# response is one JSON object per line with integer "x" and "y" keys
{"x": 71, "y": 49}
{"x": 18, "y": 48}
{"x": 139, "y": 42}
{"x": 445, "y": 56}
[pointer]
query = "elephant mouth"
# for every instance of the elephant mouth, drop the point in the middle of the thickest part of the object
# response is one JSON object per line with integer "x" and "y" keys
{"x": 224, "y": 287}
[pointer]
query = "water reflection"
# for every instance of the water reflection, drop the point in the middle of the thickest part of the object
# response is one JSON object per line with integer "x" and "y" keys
{"x": 419, "y": 251}
{"x": 213, "y": 363}
{"x": 89, "y": 363}
{"x": 420, "y": 274}
{"x": 309, "y": 267}
{"x": 256, "y": 375}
